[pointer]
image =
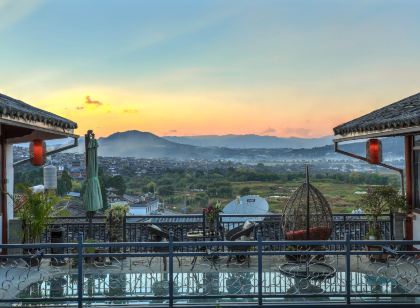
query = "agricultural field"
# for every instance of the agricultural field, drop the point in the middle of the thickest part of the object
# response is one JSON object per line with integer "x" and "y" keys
{"x": 342, "y": 197}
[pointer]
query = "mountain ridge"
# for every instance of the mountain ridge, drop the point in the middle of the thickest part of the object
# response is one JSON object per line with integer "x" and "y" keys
{"x": 250, "y": 141}
{"x": 148, "y": 145}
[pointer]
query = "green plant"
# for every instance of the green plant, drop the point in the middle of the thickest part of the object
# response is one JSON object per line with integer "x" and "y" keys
{"x": 90, "y": 249}
{"x": 373, "y": 231}
{"x": 36, "y": 211}
{"x": 212, "y": 212}
{"x": 378, "y": 201}
{"x": 115, "y": 221}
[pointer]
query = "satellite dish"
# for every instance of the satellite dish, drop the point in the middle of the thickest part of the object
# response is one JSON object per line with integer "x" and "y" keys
{"x": 251, "y": 204}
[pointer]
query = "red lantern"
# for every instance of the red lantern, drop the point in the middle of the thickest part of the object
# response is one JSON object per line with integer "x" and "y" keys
{"x": 37, "y": 152}
{"x": 374, "y": 151}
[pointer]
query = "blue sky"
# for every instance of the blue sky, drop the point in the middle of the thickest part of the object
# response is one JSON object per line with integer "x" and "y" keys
{"x": 210, "y": 67}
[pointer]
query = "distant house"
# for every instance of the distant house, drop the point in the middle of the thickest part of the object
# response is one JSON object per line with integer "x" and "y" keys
{"x": 142, "y": 205}
{"x": 77, "y": 170}
{"x": 111, "y": 195}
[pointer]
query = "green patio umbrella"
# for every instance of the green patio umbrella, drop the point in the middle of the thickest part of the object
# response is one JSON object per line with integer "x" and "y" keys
{"x": 92, "y": 197}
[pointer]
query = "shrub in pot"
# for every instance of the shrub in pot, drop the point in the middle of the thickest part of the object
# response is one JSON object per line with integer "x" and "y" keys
{"x": 115, "y": 218}
{"x": 381, "y": 200}
{"x": 378, "y": 201}
{"x": 36, "y": 210}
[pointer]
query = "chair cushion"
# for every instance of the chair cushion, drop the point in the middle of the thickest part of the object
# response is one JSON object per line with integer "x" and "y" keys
{"x": 247, "y": 225}
{"x": 157, "y": 228}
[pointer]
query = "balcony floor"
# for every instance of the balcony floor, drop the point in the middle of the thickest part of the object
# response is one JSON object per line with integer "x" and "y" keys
{"x": 136, "y": 277}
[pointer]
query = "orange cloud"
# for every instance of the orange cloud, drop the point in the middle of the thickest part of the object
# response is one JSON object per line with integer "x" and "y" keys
{"x": 89, "y": 101}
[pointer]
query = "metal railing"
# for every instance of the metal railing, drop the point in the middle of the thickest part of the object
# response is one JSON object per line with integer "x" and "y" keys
{"x": 328, "y": 275}
{"x": 270, "y": 226}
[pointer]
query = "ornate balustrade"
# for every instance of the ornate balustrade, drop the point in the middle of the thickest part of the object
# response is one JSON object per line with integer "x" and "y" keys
{"x": 343, "y": 276}
{"x": 270, "y": 226}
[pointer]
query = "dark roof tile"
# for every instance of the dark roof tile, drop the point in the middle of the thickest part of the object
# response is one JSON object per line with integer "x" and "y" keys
{"x": 402, "y": 114}
{"x": 17, "y": 109}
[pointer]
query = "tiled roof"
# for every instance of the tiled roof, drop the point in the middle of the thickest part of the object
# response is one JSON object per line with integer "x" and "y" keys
{"x": 14, "y": 108}
{"x": 402, "y": 114}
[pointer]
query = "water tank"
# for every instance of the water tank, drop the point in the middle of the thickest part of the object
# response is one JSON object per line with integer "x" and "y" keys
{"x": 50, "y": 177}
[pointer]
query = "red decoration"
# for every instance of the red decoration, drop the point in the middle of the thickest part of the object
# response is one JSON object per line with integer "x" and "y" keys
{"x": 37, "y": 152}
{"x": 315, "y": 233}
{"x": 374, "y": 151}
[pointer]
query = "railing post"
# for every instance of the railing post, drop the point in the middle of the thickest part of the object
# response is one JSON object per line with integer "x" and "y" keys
{"x": 260, "y": 272}
{"x": 124, "y": 231}
{"x": 171, "y": 269}
{"x": 204, "y": 222}
{"x": 348, "y": 273}
{"x": 391, "y": 222}
{"x": 80, "y": 270}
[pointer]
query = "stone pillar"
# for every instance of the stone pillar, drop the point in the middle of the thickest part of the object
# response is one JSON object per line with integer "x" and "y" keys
{"x": 15, "y": 235}
{"x": 398, "y": 222}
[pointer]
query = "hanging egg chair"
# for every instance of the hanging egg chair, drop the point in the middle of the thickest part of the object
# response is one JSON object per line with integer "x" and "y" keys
{"x": 307, "y": 215}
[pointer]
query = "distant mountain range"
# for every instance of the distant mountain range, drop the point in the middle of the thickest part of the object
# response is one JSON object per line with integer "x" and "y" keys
{"x": 139, "y": 144}
{"x": 251, "y": 141}
{"x": 147, "y": 145}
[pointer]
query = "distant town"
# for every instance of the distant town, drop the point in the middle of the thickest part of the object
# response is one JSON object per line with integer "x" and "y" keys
{"x": 152, "y": 186}
{"x": 74, "y": 164}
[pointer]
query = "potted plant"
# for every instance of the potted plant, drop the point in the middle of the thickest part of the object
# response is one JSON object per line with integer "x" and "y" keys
{"x": 378, "y": 201}
{"x": 36, "y": 210}
{"x": 372, "y": 233}
{"x": 90, "y": 260}
{"x": 115, "y": 223}
{"x": 211, "y": 216}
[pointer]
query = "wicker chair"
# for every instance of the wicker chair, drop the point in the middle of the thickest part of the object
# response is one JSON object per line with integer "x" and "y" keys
{"x": 307, "y": 216}
{"x": 159, "y": 235}
{"x": 235, "y": 235}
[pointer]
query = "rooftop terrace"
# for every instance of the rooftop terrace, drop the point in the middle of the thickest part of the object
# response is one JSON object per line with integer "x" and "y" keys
{"x": 342, "y": 275}
{"x": 189, "y": 269}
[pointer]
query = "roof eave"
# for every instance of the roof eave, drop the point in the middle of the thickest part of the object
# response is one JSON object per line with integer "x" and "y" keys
{"x": 60, "y": 132}
{"x": 391, "y": 132}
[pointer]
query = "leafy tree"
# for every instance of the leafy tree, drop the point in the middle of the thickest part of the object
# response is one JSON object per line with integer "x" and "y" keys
{"x": 118, "y": 183}
{"x": 151, "y": 187}
{"x": 28, "y": 175}
{"x": 64, "y": 184}
{"x": 166, "y": 190}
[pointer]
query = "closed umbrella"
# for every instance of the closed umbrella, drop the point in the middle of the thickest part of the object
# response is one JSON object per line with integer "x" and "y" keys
{"x": 92, "y": 197}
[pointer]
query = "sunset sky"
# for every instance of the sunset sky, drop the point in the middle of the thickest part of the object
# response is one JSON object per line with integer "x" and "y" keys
{"x": 284, "y": 68}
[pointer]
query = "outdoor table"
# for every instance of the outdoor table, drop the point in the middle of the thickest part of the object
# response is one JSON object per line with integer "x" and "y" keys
{"x": 201, "y": 236}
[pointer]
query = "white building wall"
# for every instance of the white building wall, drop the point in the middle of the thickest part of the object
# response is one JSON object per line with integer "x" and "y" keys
{"x": 10, "y": 179}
